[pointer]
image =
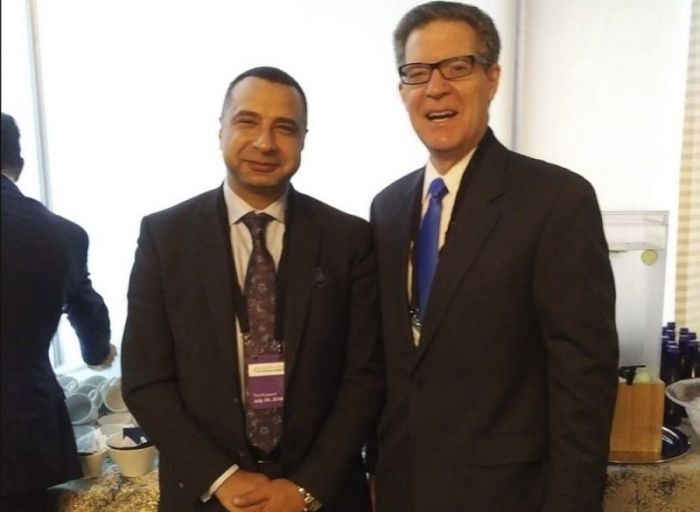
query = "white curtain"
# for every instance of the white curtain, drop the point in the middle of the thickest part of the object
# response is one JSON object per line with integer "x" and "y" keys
{"x": 688, "y": 262}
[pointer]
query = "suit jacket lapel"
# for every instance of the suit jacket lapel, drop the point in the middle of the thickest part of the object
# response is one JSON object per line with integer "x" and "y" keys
{"x": 398, "y": 251}
{"x": 475, "y": 216}
{"x": 216, "y": 267}
{"x": 302, "y": 243}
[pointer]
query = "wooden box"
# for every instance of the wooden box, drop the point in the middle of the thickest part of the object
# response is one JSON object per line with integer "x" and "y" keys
{"x": 639, "y": 414}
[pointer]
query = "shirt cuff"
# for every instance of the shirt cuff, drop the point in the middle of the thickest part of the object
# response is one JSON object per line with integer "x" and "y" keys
{"x": 217, "y": 483}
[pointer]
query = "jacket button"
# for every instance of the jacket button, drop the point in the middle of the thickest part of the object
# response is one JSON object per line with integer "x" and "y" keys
{"x": 242, "y": 453}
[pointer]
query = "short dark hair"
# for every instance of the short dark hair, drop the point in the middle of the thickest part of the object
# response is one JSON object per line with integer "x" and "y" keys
{"x": 10, "y": 149}
{"x": 423, "y": 14}
{"x": 270, "y": 74}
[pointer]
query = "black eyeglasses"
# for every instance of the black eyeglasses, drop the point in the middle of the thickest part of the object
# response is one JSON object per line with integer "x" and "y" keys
{"x": 454, "y": 68}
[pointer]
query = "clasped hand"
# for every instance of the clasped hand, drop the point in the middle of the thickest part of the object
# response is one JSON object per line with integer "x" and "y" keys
{"x": 245, "y": 491}
{"x": 107, "y": 361}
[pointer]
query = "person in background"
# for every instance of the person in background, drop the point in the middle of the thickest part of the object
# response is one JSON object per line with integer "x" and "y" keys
{"x": 44, "y": 274}
{"x": 251, "y": 354}
{"x": 497, "y": 299}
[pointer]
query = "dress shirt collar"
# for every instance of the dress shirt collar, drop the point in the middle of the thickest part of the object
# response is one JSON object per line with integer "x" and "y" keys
{"x": 236, "y": 207}
{"x": 9, "y": 185}
{"x": 8, "y": 176}
{"x": 452, "y": 178}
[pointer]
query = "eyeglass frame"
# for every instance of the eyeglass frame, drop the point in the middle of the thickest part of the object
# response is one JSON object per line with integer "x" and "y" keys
{"x": 475, "y": 59}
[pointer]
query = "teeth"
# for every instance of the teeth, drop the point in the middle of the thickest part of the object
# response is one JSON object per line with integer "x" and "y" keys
{"x": 444, "y": 114}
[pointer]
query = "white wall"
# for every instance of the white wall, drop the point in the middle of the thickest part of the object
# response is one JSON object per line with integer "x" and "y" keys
{"x": 134, "y": 88}
{"x": 602, "y": 92}
{"x": 17, "y": 89}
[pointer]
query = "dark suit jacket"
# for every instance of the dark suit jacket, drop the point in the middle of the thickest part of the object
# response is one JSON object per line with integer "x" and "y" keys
{"x": 180, "y": 368}
{"x": 507, "y": 403}
{"x": 44, "y": 273}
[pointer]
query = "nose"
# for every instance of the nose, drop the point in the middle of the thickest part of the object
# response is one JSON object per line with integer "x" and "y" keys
{"x": 265, "y": 141}
{"x": 437, "y": 86}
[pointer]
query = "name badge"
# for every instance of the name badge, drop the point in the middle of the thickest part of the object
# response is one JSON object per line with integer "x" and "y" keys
{"x": 266, "y": 381}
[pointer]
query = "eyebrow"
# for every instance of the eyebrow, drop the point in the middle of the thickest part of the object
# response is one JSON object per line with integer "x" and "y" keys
{"x": 285, "y": 120}
{"x": 242, "y": 113}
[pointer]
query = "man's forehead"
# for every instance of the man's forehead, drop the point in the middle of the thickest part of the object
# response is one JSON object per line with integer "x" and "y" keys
{"x": 255, "y": 94}
{"x": 254, "y": 86}
{"x": 438, "y": 38}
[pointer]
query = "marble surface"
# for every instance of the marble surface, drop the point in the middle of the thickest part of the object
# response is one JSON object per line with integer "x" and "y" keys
{"x": 672, "y": 486}
{"x": 110, "y": 492}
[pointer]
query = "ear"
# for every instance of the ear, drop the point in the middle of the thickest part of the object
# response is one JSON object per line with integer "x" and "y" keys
{"x": 20, "y": 167}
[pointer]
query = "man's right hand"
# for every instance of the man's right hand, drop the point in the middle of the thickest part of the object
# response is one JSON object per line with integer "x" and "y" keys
{"x": 108, "y": 360}
{"x": 240, "y": 482}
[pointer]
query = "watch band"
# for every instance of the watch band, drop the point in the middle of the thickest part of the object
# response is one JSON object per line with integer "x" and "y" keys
{"x": 311, "y": 504}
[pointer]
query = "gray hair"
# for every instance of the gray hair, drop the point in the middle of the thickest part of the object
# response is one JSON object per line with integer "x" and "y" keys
{"x": 423, "y": 14}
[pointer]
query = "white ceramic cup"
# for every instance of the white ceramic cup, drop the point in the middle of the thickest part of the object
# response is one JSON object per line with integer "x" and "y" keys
{"x": 113, "y": 399}
{"x": 92, "y": 463}
{"x": 81, "y": 430}
{"x": 95, "y": 380}
{"x": 81, "y": 408}
{"x": 68, "y": 383}
{"x": 92, "y": 392}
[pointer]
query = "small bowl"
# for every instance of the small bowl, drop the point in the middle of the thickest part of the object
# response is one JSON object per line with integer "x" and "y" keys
{"x": 687, "y": 393}
{"x": 132, "y": 461}
{"x": 92, "y": 463}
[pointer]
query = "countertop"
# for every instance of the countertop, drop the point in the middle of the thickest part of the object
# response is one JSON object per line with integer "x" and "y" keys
{"x": 672, "y": 486}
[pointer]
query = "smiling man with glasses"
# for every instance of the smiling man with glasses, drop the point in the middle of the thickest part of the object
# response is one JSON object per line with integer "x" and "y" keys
{"x": 497, "y": 300}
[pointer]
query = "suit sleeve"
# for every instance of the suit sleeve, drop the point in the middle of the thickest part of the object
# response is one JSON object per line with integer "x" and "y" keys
{"x": 575, "y": 296}
{"x": 149, "y": 379}
{"x": 361, "y": 395}
{"x": 85, "y": 308}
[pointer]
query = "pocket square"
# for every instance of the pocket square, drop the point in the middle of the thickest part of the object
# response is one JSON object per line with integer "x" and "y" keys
{"x": 321, "y": 277}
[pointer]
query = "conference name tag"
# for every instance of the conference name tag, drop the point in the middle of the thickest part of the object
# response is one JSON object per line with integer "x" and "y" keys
{"x": 266, "y": 382}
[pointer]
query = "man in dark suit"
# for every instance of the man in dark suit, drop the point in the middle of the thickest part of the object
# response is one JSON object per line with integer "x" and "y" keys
{"x": 44, "y": 274}
{"x": 239, "y": 427}
{"x": 502, "y": 356}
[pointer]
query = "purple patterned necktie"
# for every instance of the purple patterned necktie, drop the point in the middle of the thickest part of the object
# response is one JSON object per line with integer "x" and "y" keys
{"x": 264, "y": 426}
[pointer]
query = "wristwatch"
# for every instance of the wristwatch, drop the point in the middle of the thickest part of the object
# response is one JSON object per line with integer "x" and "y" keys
{"x": 311, "y": 504}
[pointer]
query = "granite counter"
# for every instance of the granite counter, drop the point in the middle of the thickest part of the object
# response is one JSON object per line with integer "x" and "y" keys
{"x": 672, "y": 486}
